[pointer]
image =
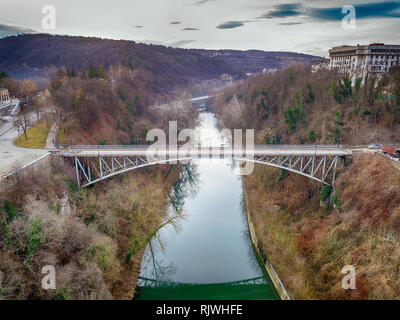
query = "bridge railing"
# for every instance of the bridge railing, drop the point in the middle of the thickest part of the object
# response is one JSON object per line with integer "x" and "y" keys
{"x": 266, "y": 146}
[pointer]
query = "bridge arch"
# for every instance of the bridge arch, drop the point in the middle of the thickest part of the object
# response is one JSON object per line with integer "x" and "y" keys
{"x": 90, "y": 170}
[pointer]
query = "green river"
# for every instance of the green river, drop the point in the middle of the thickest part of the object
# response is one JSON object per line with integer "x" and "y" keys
{"x": 206, "y": 252}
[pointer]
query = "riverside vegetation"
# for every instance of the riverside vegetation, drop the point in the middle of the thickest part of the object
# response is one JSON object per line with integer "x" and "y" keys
{"x": 94, "y": 237}
{"x": 100, "y": 92}
{"x": 309, "y": 231}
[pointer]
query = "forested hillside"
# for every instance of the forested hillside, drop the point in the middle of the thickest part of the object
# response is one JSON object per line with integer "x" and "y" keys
{"x": 93, "y": 108}
{"x": 295, "y": 106}
{"x": 311, "y": 231}
{"x": 41, "y": 54}
{"x": 95, "y": 237}
{"x": 254, "y": 61}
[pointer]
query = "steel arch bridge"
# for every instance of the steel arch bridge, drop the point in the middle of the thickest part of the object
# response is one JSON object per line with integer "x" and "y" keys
{"x": 97, "y": 163}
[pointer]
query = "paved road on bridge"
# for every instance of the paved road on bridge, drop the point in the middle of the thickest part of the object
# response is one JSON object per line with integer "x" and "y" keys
{"x": 262, "y": 150}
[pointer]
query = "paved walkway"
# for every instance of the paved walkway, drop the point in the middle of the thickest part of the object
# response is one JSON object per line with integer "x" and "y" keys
{"x": 51, "y": 138}
{"x": 12, "y": 157}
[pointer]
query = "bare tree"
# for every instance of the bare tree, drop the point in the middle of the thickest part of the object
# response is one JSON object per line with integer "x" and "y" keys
{"x": 23, "y": 122}
{"x": 37, "y": 106}
{"x": 60, "y": 116}
{"x": 28, "y": 88}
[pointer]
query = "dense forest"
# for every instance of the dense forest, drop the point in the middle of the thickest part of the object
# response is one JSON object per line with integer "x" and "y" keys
{"x": 295, "y": 106}
{"x": 255, "y": 61}
{"x": 40, "y": 55}
{"x": 114, "y": 107}
{"x": 311, "y": 231}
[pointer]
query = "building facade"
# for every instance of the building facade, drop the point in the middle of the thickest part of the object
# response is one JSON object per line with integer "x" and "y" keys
{"x": 4, "y": 96}
{"x": 374, "y": 59}
{"x": 319, "y": 66}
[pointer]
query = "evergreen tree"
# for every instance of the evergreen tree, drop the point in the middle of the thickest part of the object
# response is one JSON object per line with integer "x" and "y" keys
{"x": 92, "y": 71}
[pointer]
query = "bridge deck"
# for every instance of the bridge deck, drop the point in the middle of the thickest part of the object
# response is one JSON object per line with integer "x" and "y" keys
{"x": 143, "y": 150}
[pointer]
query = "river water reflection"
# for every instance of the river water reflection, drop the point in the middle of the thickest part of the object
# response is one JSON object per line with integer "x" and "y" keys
{"x": 207, "y": 253}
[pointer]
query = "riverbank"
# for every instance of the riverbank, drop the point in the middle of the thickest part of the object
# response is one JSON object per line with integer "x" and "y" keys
{"x": 309, "y": 241}
{"x": 269, "y": 269}
{"x": 140, "y": 203}
{"x": 94, "y": 237}
{"x": 211, "y": 257}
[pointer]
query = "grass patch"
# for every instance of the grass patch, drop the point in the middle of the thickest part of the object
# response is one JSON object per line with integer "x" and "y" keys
{"x": 61, "y": 137}
{"x": 37, "y": 135}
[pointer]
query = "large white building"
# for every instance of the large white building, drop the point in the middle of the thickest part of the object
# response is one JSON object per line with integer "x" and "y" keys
{"x": 9, "y": 107}
{"x": 357, "y": 61}
{"x": 4, "y": 96}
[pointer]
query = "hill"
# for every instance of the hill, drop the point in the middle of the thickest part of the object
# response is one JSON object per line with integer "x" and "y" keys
{"x": 311, "y": 231}
{"x": 254, "y": 61}
{"x": 38, "y": 55}
{"x": 296, "y": 106}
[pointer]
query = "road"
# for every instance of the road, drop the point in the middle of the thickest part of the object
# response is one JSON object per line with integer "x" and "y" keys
{"x": 200, "y": 98}
{"x": 276, "y": 150}
{"x": 12, "y": 157}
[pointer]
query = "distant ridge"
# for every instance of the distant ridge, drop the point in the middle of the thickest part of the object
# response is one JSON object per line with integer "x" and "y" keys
{"x": 254, "y": 61}
{"x": 39, "y": 55}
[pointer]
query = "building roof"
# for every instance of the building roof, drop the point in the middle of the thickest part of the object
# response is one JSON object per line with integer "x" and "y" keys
{"x": 389, "y": 150}
{"x": 358, "y": 49}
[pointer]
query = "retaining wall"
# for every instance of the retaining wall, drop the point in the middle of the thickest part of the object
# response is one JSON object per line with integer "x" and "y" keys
{"x": 267, "y": 264}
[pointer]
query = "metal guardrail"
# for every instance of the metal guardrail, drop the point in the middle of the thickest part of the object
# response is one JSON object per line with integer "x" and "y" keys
{"x": 27, "y": 165}
{"x": 266, "y": 146}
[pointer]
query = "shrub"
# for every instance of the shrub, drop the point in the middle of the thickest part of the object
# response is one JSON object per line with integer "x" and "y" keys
{"x": 337, "y": 118}
{"x": 34, "y": 239}
{"x": 310, "y": 94}
{"x": 325, "y": 192}
{"x": 292, "y": 115}
{"x": 341, "y": 90}
{"x": 397, "y": 93}
{"x": 311, "y": 136}
{"x": 11, "y": 210}
{"x": 283, "y": 174}
{"x": 336, "y": 135}
{"x": 337, "y": 203}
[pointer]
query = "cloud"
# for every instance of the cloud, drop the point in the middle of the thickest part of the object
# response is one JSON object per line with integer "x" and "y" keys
{"x": 201, "y": 2}
{"x": 284, "y": 11}
{"x": 390, "y": 9}
{"x": 7, "y": 30}
{"x": 290, "y": 23}
{"x": 190, "y": 29}
{"x": 230, "y": 25}
{"x": 386, "y": 9}
{"x": 175, "y": 22}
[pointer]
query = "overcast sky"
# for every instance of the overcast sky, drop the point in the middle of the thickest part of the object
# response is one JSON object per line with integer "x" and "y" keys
{"x": 307, "y": 26}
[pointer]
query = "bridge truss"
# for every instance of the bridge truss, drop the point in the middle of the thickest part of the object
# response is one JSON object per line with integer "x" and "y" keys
{"x": 92, "y": 169}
